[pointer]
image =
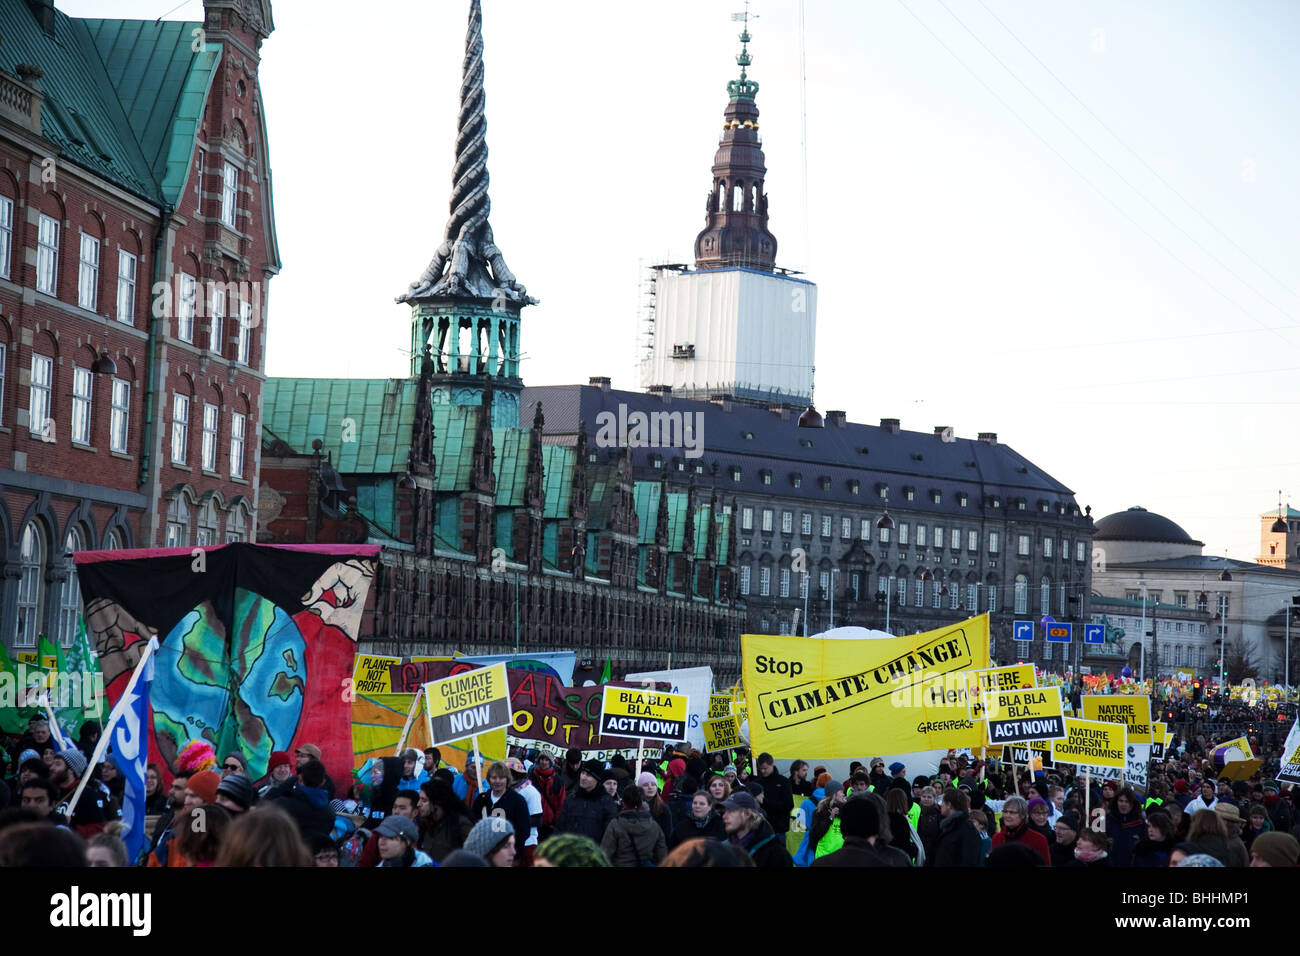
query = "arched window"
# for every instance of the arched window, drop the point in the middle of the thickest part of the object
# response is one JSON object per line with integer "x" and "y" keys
{"x": 114, "y": 541}
{"x": 722, "y": 195}
{"x": 737, "y": 197}
{"x": 31, "y": 564}
{"x": 1045, "y": 596}
{"x": 1022, "y": 594}
{"x": 936, "y": 593}
{"x": 178, "y": 522}
{"x": 237, "y": 525}
{"x": 753, "y": 198}
{"x": 70, "y": 599}
{"x": 208, "y": 522}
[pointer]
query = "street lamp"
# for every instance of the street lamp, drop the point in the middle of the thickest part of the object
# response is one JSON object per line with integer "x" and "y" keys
{"x": 834, "y": 571}
{"x": 1142, "y": 661}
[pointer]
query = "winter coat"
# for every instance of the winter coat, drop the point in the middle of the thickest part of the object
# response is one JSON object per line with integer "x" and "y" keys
{"x": 710, "y": 827}
{"x": 778, "y": 800}
{"x": 1124, "y": 830}
{"x": 1148, "y": 852}
{"x": 516, "y": 811}
{"x": 309, "y": 807}
{"x": 1031, "y": 839}
{"x": 927, "y": 828}
{"x": 412, "y": 857}
{"x": 679, "y": 810}
{"x": 550, "y": 785}
{"x": 765, "y": 847}
{"x": 1063, "y": 854}
{"x": 633, "y": 838}
{"x": 587, "y": 812}
{"x": 441, "y": 838}
{"x": 861, "y": 852}
{"x": 958, "y": 843}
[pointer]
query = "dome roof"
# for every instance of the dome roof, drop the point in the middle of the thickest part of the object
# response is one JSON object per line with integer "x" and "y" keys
{"x": 1138, "y": 524}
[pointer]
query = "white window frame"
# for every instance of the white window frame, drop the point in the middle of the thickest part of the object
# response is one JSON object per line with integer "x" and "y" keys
{"x": 901, "y": 600}
{"x": 747, "y": 518}
{"x": 83, "y": 396}
{"x": 824, "y": 583}
{"x": 803, "y": 585}
{"x": 1047, "y": 547}
{"x": 211, "y": 422}
{"x": 972, "y": 598}
{"x": 1080, "y": 551}
{"x": 120, "y": 417}
{"x": 972, "y": 541}
{"x": 236, "y": 525}
{"x": 846, "y": 528}
{"x": 826, "y": 526}
{"x": 784, "y": 582}
{"x": 186, "y": 308}
{"x": 787, "y": 522}
{"x": 920, "y": 536}
{"x": 995, "y": 542}
{"x": 198, "y": 186}
{"x": 217, "y": 320}
{"x": 4, "y": 367}
{"x": 47, "y": 255}
{"x": 767, "y": 521}
{"x": 744, "y": 578}
{"x": 864, "y": 529}
{"x": 955, "y": 543}
{"x": 920, "y": 593}
{"x": 6, "y": 235}
{"x": 229, "y": 194}
{"x": 69, "y": 610}
{"x": 1045, "y": 596}
{"x": 238, "y": 435}
{"x": 903, "y": 535}
{"x": 31, "y": 577}
{"x": 245, "y": 331}
{"x": 40, "y": 396}
{"x": 88, "y": 273}
{"x": 1021, "y": 594}
{"x": 764, "y": 581}
{"x": 992, "y": 598}
{"x": 127, "y": 266}
{"x": 805, "y": 524}
{"x": 883, "y": 537}
{"x": 180, "y": 428}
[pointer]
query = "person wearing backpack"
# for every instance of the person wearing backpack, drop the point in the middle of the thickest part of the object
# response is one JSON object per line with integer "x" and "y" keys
{"x": 633, "y": 838}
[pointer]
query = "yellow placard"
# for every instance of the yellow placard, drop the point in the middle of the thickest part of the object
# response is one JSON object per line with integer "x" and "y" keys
{"x": 370, "y": 674}
{"x": 469, "y": 703}
{"x": 719, "y": 706}
{"x": 1092, "y": 743}
{"x": 643, "y": 714}
{"x": 981, "y": 682}
{"x": 1033, "y": 713}
{"x": 813, "y": 697}
{"x": 1232, "y": 750}
{"x": 1134, "y": 712}
{"x": 722, "y": 733}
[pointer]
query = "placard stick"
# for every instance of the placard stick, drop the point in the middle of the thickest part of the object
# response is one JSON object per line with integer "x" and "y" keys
{"x": 640, "y": 746}
{"x": 478, "y": 762}
{"x": 1087, "y": 797}
{"x": 54, "y": 722}
{"x": 410, "y": 719}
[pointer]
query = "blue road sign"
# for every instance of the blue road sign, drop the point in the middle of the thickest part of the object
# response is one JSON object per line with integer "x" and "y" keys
{"x": 1022, "y": 630}
{"x": 1057, "y": 633}
{"x": 1094, "y": 633}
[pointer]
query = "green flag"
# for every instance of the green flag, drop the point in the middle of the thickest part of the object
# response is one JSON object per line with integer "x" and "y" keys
{"x": 605, "y": 674}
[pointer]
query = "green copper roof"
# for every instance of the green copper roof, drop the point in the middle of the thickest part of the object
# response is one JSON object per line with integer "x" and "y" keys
{"x": 363, "y": 423}
{"x": 162, "y": 85}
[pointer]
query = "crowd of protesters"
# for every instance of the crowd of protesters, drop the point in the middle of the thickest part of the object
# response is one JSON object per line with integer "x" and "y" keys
{"x": 685, "y": 809}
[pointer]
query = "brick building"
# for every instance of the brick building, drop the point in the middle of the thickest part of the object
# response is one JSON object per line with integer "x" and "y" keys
{"x": 137, "y": 241}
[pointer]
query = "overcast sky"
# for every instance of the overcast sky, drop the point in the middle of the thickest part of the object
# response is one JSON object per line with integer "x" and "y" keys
{"x": 1073, "y": 227}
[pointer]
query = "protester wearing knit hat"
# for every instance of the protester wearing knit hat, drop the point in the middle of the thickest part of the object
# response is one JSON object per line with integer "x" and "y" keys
{"x": 493, "y": 839}
{"x": 570, "y": 849}
{"x": 202, "y": 788}
{"x": 88, "y": 816}
{"x": 587, "y": 808}
{"x": 1274, "y": 849}
{"x": 235, "y": 793}
{"x": 279, "y": 775}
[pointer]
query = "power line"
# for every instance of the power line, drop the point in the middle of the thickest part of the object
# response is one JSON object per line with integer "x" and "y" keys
{"x": 1109, "y": 166}
{"x": 1088, "y": 181}
{"x": 1138, "y": 157}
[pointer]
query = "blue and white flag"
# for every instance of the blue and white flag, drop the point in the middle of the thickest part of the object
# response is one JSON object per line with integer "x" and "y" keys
{"x": 130, "y": 742}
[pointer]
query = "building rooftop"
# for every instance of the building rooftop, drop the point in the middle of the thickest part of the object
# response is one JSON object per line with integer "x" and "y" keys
{"x": 1138, "y": 524}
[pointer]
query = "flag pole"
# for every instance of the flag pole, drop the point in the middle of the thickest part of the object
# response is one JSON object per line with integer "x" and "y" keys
{"x": 410, "y": 719}
{"x": 118, "y": 710}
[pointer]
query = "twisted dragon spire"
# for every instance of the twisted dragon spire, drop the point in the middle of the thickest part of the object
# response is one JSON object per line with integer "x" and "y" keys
{"x": 468, "y": 263}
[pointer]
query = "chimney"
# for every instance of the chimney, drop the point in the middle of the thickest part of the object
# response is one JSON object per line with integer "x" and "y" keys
{"x": 665, "y": 393}
{"x": 43, "y": 11}
{"x": 891, "y": 425}
{"x": 836, "y": 418}
{"x": 989, "y": 438}
{"x": 600, "y": 380}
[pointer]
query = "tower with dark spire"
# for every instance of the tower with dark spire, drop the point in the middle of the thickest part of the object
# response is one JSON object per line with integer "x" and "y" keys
{"x": 737, "y": 325}
{"x": 735, "y": 231}
{"x": 466, "y": 304}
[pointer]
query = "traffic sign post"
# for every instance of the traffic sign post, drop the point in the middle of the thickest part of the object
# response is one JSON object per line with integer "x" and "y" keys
{"x": 1094, "y": 633}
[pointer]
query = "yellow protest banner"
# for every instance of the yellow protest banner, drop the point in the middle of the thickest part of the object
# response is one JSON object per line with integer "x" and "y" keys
{"x": 470, "y": 703}
{"x": 643, "y": 714}
{"x": 1019, "y": 715}
{"x": 813, "y": 697}
{"x": 1134, "y": 712}
{"x": 370, "y": 674}
{"x": 1092, "y": 743}
{"x": 722, "y": 733}
{"x": 719, "y": 706}
{"x": 989, "y": 679}
{"x": 1231, "y": 750}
